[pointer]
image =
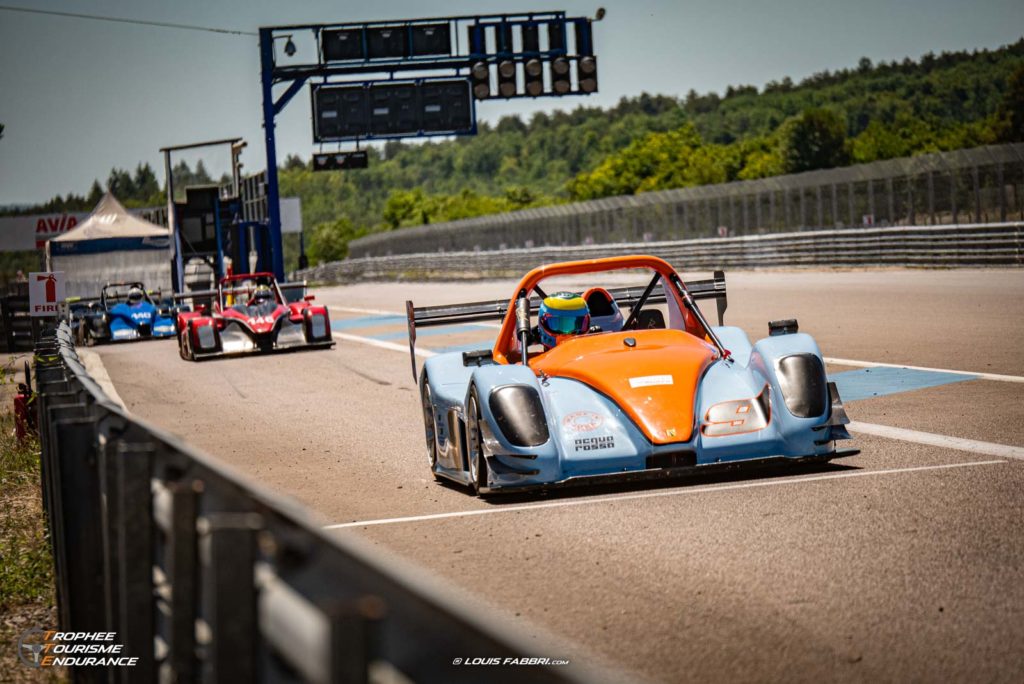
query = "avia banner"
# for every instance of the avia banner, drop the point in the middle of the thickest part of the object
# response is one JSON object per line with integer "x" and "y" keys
{"x": 25, "y": 233}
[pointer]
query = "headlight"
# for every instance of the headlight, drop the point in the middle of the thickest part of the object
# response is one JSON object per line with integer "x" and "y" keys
{"x": 738, "y": 417}
{"x": 318, "y": 326}
{"x": 519, "y": 414}
{"x": 206, "y": 337}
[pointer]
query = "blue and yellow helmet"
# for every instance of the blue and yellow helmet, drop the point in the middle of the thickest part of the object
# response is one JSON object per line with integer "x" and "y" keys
{"x": 561, "y": 315}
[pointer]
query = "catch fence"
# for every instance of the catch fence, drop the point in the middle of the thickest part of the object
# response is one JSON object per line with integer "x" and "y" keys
{"x": 980, "y": 185}
{"x": 969, "y": 246}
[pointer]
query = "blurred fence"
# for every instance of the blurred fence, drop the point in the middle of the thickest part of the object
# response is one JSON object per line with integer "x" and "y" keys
{"x": 16, "y": 325}
{"x": 207, "y": 577}
{"x": 980, "y": 185}
{"x": 976, "y": 245}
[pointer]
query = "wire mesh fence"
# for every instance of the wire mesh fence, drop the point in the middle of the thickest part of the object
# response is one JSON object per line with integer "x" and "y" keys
{"x": 979, "y": 185}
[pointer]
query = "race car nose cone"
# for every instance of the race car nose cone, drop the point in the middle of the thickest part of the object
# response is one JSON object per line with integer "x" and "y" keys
{"x": 629, "y": 341}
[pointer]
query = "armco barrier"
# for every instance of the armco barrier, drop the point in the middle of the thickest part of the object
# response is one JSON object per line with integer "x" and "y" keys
{"x": 207, "y": 577}
{"x": 976, "y": 245}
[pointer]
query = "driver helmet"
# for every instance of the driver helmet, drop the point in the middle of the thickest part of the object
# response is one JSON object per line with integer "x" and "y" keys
{"x": 562, "y": 315}
{"x": 262, "y": 294}
{"x": 135, "y": 295}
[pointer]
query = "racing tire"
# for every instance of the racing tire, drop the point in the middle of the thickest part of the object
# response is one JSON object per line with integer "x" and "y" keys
{"x": 184, "y": 348}
{"x": 429, "y": 424}
{"x": 476, "y": 462}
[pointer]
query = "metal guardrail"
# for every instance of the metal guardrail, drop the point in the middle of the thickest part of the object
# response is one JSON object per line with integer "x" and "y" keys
{"x": 208, "y": 577}
{"x": 980, "y": 185}
{"x": 979, "y": 245}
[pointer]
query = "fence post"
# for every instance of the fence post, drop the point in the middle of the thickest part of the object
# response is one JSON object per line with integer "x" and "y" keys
{"x": 135, "y": 551}
{"x": 231, "y": 595}
{"x": 181, "y": 568}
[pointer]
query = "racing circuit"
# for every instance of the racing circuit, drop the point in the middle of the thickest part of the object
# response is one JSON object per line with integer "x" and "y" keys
{"x": 905, "y": 562}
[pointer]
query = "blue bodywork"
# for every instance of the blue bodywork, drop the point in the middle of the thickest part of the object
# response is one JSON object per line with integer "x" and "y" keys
{"x": 448, "y": 381}
{"x": 111, "y": 317}
{"x": 132, "y": 321}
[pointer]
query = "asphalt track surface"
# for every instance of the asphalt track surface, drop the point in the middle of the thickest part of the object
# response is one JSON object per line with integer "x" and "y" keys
{"x": 905, "y": 563}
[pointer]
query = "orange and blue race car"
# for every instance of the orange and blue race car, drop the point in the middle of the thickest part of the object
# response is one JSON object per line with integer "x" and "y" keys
{"x": 575, "y": 390}
{"x": 249, "y": 313}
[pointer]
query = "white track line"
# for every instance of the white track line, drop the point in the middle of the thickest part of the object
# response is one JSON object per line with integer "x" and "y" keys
{"x": 931, "y": 439}
{"x": 874, "y": 364}
{"x": 375, "y": 312}
{"x": 652, "y": 495}
{"x": 382, "y": 344}
{"x": 827, "y": 359}
{"x": 353, "y": 309}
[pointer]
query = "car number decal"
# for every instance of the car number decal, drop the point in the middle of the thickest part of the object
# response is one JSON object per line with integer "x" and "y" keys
{"x": 650, "y": 381}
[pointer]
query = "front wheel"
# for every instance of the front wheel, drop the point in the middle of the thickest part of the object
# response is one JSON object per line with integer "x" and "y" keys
{"x": 184, "y": 349}
{"x": 429, "y": 424}
{"x": 475, "y": 445}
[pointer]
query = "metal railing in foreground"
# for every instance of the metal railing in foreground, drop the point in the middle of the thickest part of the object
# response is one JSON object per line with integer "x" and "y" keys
{"x": 205, "y": 576}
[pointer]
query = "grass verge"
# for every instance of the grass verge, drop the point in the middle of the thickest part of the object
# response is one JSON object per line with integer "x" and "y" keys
{"x": 27, "y": 597}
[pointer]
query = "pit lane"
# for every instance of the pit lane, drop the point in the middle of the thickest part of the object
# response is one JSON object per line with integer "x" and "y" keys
{"x": 905, "y": 562}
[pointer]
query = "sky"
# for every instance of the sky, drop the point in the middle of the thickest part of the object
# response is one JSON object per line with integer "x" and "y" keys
{"x": 78, "y": 97}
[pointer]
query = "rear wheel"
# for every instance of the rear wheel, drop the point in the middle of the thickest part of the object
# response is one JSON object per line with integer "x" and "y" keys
{"x": 475, "y": 445}
{"x": 429, "y": 423}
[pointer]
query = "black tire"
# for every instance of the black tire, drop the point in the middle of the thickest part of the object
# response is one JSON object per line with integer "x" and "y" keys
{"x": 429, "y": 424}
{"x": 476, "y": 462}
{"x": 184, "y": 347}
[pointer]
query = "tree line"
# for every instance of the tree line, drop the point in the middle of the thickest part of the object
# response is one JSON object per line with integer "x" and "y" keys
{"x": 133, "y": 189}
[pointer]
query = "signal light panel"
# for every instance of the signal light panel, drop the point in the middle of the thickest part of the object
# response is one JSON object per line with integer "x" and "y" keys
{"x": 338, "y": 161}
{"x": 387, "y": 109}
{"x": 522, "y": 73}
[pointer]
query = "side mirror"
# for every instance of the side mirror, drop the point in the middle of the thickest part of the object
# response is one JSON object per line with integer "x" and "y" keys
{"x": 202, "y": 308}
{"x": 309, "y": 298}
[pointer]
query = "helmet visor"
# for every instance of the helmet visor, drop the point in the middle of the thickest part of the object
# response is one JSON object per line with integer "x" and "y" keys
{"x": 563, "y": 324}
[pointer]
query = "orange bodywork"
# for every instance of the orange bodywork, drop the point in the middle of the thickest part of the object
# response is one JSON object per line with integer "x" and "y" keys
{"x": 653, "y": 382}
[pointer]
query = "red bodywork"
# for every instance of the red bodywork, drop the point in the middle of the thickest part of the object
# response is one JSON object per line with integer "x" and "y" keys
{"x": 233, "y": 304}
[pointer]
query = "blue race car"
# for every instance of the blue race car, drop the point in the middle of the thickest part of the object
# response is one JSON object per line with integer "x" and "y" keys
{"x": 122, "y": 312}
{"x": 575, "y": 392}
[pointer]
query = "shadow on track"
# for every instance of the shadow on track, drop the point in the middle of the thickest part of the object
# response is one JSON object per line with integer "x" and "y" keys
{"x": 685, "y": 481}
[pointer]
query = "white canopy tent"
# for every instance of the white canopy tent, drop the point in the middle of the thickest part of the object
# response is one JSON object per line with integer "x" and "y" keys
{"x": 111, "y": 245}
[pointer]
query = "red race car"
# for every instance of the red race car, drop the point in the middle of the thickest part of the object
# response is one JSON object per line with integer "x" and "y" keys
{"x": 249, "y": 314}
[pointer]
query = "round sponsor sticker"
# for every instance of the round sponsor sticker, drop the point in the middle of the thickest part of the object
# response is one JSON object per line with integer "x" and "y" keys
{"x": 583, "y": 421}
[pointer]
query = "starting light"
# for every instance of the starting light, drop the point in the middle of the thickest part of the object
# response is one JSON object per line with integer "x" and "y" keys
{"x": 586, "y": 74}
{"x": 534, "y": 70}
{"x": 337, "y": 161}
{"x": 560, "y": 79}
{"x": 386, "y": 42}
{"x": 431, "y": 40}
{"x": 480, "y": 76}
{"x": 507, "y": 78}
{"x": 342, "y": 45}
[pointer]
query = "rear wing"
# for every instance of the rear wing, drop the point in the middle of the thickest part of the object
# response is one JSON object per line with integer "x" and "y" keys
{"x": 495, "y": 310}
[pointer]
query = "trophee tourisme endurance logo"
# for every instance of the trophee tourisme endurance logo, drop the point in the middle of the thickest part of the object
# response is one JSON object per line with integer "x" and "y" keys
{"x": 40, "y": 648}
